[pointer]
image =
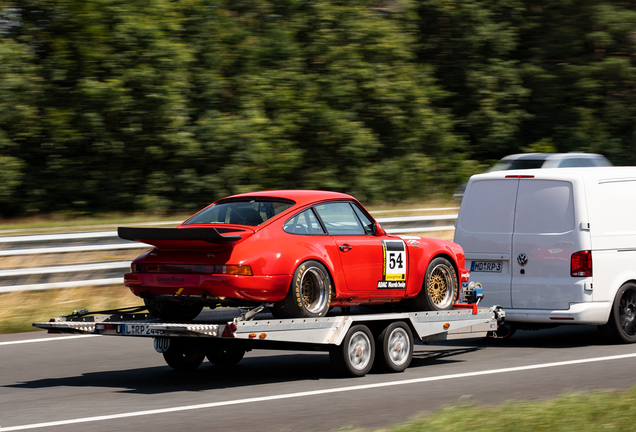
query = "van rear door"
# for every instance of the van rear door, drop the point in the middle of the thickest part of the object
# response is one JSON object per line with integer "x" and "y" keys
{"x": 484, "y": 230}
{"x": 545, "y": 237}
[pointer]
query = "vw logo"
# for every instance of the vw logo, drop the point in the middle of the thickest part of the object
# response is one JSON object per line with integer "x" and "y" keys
{"x": 522, "y": 259}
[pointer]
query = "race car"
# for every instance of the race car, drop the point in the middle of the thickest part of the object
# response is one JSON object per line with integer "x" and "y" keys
{"x": 298, "y": 252}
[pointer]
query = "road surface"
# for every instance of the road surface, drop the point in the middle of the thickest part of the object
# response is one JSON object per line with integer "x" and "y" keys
{"x": 101, "y": 383}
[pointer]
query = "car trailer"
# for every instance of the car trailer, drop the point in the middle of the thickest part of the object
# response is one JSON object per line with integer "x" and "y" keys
{"x": 355, "y": 340}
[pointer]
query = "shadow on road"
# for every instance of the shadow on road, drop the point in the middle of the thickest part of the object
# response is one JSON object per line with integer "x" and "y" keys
{"x": 261, "y": 367}
{"x": 252, "y": 371}
{"x": 566, "y": 336}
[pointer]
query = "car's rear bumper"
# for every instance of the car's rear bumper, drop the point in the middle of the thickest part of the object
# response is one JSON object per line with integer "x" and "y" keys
{"x": 253, "y": 288}
{"x": 578, "y": 313}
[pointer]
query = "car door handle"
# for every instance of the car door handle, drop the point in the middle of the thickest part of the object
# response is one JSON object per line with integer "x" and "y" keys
{"x": 345, "y": 248}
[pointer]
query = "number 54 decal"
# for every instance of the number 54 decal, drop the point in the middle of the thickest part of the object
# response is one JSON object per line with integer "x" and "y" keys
{"x": 394, "y": 268}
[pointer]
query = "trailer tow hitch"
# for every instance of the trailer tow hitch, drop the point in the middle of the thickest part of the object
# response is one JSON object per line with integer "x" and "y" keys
{"x": 246, "y": 316}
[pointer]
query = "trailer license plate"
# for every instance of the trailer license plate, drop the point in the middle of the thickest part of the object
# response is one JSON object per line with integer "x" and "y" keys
{"x": 486, "y": 266}
{"x": 140, "y": 330}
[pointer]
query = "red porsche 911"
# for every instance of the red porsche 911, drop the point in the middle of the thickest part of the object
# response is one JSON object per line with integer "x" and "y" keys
{"x": 300, "y": 252}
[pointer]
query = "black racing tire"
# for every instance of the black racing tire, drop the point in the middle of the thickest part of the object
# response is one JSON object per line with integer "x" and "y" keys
{"x": 394, "y": 348}
{"x": 440, "y": 288}
{"x": 355, "y": 355}
{"x": 224, "y": 356}
{"x": 184, "y": 354}
{"x": 309, "y": 295}
{"x": 621, "y": 326}
{"x": 173, "y": 310}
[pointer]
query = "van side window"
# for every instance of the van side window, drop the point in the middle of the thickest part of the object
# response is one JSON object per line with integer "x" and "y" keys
{"x": 544, "y": 206}
{"x": 489, "y": 207}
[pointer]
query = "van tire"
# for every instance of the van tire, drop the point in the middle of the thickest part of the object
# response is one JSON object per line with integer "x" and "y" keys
{"x": 440, "y": 288}
{"x": 621, "y": 326}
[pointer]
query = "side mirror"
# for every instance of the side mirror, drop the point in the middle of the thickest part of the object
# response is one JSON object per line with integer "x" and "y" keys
{"x": 377, "y": 229}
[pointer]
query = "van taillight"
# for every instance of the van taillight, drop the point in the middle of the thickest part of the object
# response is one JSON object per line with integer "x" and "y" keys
{"x": 581, "y": 265}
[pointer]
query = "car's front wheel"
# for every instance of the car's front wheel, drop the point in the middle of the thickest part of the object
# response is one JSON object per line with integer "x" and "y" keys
{"x": 440, "y": 288}
{"x": 309, "y": 295}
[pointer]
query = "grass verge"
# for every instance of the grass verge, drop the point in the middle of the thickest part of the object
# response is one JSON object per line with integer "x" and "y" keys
{"x": 597, "y": 411}
{"x": 22, "y": 308}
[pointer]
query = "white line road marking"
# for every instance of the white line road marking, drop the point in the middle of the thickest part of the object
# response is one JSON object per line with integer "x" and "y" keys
{"x": 46, "y": 339}
{"x": 316, "y": 392}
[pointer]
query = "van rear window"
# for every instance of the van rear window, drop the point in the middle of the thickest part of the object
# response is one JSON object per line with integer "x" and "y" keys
{"x": 488, "y": 207}
{"x": 544, "y": 207}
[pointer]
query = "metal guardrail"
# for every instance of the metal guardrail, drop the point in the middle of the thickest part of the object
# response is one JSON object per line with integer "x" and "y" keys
{"x": 107, "y": 273}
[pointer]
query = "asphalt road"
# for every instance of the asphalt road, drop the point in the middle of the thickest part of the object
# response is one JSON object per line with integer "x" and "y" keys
{"x": 102, "y": 383}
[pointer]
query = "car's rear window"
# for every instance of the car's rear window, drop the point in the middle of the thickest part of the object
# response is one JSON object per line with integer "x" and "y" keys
{"x": 505, "y": 165}
{"x": 251, "y": 212}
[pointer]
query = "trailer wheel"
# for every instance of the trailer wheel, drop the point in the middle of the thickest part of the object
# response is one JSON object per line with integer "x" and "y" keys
{"x": 440, "y": 288}
{"x": 394, "y": 348}
{"x": 621, "y": 326}
{"x": 309, "y": 295}
{"x": 224, "y": 356}
{"x": 354, "y": 357}
{"x": 173, "y": 310}
{"x": 184, "y": 354}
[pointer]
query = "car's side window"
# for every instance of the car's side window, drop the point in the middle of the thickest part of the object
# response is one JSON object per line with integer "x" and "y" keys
{"x": 303, "y": 223}
{"x": 367, "y": 224}
{"x": 339, "y": 218}
{"x": 578, "y": 162}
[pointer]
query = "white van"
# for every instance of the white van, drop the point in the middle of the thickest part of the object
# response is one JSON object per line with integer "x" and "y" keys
{"x": 555, "y": 246}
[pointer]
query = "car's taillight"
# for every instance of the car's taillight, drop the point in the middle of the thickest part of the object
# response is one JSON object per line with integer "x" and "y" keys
{"x": 581, "y": 264}
{"x": 240, "y": 270}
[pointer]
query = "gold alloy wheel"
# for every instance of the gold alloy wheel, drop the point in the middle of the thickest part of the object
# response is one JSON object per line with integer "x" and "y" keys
{"x": 439, "y": 286}
{"x": 314, "y": 289}
{"x": 308, "y": 290}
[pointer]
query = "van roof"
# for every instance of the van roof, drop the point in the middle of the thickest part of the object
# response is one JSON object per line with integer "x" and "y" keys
{"x": 588, "y": 173}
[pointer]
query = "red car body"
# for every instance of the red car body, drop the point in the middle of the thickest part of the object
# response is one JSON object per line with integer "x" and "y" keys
{"x": 370, "y": 267}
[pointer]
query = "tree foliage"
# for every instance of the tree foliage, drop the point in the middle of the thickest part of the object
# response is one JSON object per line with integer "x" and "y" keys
{"x": 170, "y": 104}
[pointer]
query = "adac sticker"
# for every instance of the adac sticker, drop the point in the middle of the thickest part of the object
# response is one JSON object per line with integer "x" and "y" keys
{"x": 394, "y": 265}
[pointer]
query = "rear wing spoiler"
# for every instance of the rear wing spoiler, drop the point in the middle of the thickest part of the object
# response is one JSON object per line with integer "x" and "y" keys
{"x": 150, "y": 235}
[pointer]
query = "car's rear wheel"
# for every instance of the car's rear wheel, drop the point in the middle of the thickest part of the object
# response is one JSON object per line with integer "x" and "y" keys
{"x": 309, "y": 295}
{"x": 621, "y": 326}
{"x": 173, "y": 310}
{"x": 440, "y": 287}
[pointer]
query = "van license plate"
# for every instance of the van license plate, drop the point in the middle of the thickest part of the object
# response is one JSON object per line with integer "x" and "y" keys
{"x": 486, "y": 266}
